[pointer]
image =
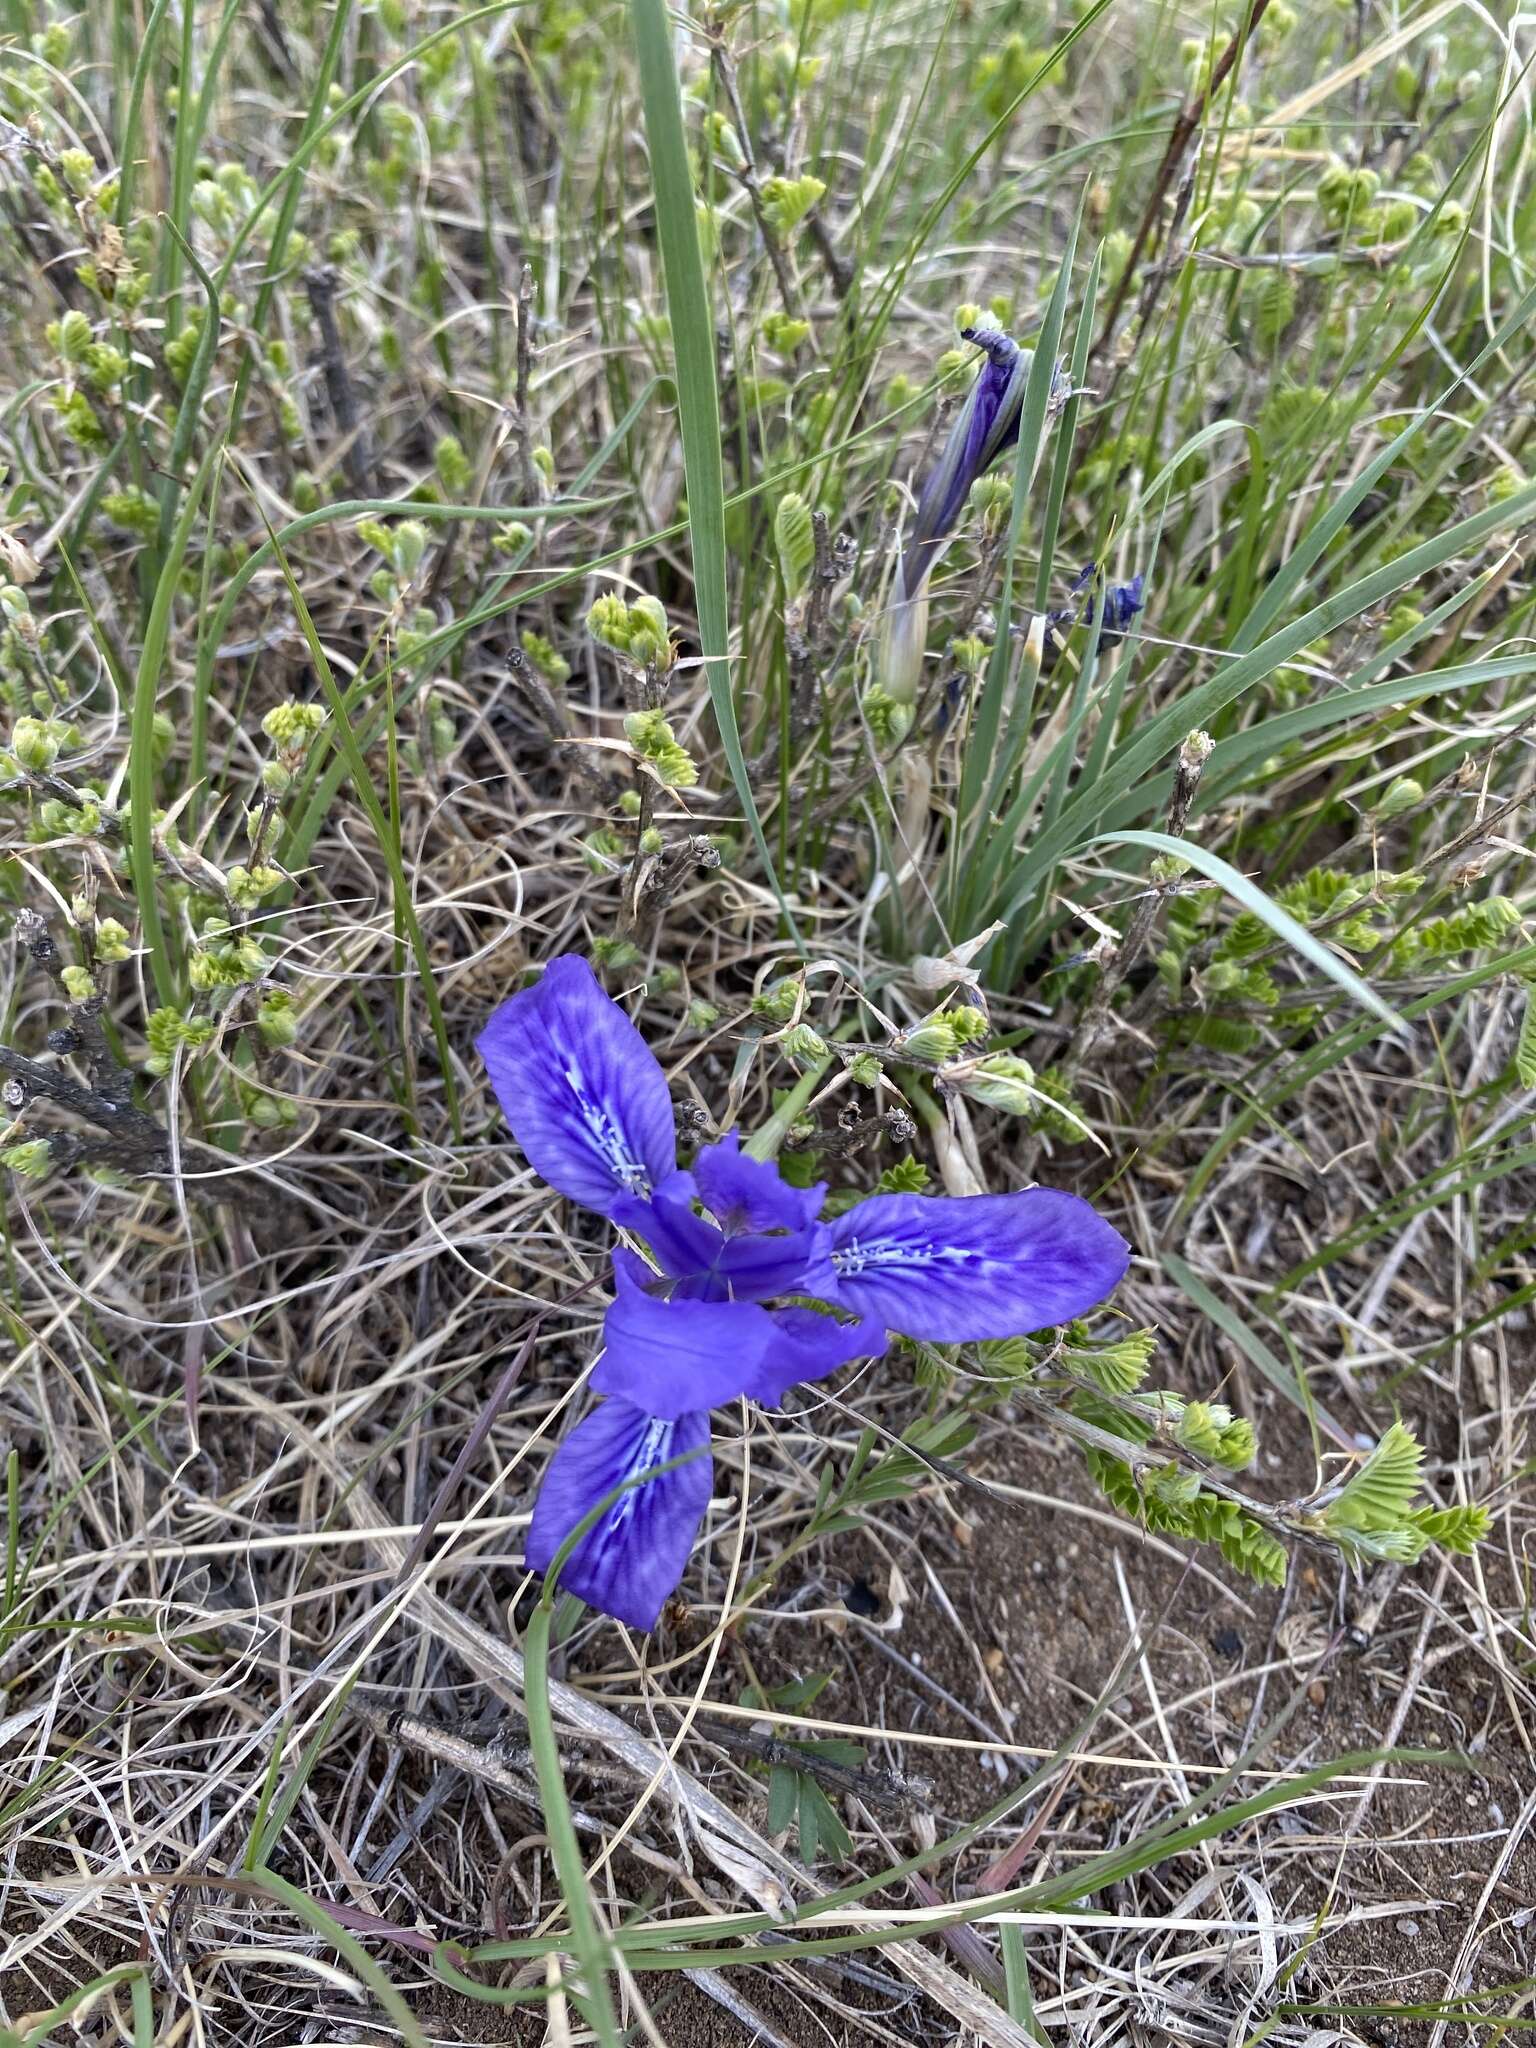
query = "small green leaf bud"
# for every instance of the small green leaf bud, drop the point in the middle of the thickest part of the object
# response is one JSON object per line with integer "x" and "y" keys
{"x": 702, "y": 1015}
{"x": 1398, "y": 796}
{"x": 803, "y": 1045}
{"x": 276, "y": 1019}
{"x": 30, "y": 1159}
{"x": 776, "y": 1003}
{"x": 932, "y": 1040}
{"x": 453, "y": 466}
{"x": 69, "y": 337}
{"x": 608, "y": 622}
{"x": 34, "y": 742}
{"x": 784, "y": 334}
{"x": 970, "y": 655}
{"x": 112, "y": 941}
{"x": 247, "y": 886}
{"x": 614, "y": 954}
{"x": 787, "y": 201}
{"x": 866, "y": 1070}
{"x": 991, "y": 500}
{"x": 77, "y": 983}
{"x": 1001, "y": 1080}
{"x": 794, "y": 539}
{"x": 967, "y": 1023}
{"x": 629, "y": 803}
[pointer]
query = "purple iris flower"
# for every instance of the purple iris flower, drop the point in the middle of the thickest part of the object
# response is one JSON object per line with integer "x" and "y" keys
{"x": 746, "y": 1290}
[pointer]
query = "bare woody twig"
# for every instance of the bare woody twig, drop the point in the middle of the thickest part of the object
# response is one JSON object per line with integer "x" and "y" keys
{"x": 1191, "y": 115}
{"x": 1193, "y": 755}
{"x": 356, "y": 452}
{"x": 725, "y": 73}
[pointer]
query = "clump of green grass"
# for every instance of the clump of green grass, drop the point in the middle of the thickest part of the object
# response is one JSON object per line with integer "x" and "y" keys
{"x": 455, "y": 466}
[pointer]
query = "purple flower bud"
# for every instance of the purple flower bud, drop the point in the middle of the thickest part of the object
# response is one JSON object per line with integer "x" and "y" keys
{"x": 986, "y": 428}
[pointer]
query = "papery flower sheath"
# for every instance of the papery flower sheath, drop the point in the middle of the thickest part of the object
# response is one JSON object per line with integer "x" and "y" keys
{"x": 746, "y": 1291}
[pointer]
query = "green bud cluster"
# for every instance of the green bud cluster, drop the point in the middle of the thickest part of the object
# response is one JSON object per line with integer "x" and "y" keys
{"x": 613, "y": 954}
{"x": 888, "y": 720}
{"x": 169, "y": 1031}
{"x": 135, "y": 511}
{"x": 787, "y": 201}
{"x": 225, "y": 958}
{"x": 36, "y": 743}
{"x": 655, "y": 742}
{"x": 803, "y": 1045}
{"x": 545, "y": 657}
{"x": 292, "y": 724}
{"x": 991, "y": 501}
{"x": 247, "y": 887}
{"x": 784, "y": 334}
{"x": 111, "y": 941}
{"x": 1000, "y": 1080}
{"x": 402, "y": 546}
{"x": 776, "y": 1003}
{"x": 640, "y": 630}
{"x": 454, "y": 468}
{"x": 31, "y": 1159}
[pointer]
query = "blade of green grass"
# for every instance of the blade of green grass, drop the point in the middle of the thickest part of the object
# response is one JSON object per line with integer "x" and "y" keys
{"x": 1262, "y": 905}
{"x": 698, "y": 400}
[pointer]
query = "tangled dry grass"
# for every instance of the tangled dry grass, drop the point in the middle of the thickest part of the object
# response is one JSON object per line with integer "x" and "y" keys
{"x": 284, "y": 1361}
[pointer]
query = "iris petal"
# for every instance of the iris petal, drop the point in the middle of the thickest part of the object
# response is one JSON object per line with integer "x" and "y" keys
{"x": 629, "y": 1562}
{"x": 808, "y": 1346}
{"x": 580, "y": 1088}
{"x": 751, "y": 1194}
{"x": 669, "y": 1356}
{"x": 957, "y": 1269}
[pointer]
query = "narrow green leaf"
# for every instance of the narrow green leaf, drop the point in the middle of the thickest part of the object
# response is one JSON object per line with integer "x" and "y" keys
{"x": 698, "y": 401}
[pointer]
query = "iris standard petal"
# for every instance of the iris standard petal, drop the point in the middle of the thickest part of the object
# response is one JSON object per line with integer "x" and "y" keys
{"x": 808, "y": 1346}
{"x": 669, "y": 1356}
{"x": 580, "y": 1088}
{"x": 751, "y": 1194}
{"x": 957, "y": 1269}
{"x": 632, "y": 1559}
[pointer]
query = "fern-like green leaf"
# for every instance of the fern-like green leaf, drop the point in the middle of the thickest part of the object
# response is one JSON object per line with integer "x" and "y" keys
{"x": 1117, "y": 1368}
{"x": 1379, "y": 1496}
{"x": 1460, "y": 1529}
{"x": 1525, "y": 1044}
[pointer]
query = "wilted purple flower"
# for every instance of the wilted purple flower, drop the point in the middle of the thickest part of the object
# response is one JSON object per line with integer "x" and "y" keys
{"x": 986, "y": 428}
{"x": 747, "y": 1292}
{"x": 1122, "y": 601}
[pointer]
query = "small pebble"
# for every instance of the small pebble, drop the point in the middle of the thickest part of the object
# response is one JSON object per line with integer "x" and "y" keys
{"x": 1317, "y": 1692}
